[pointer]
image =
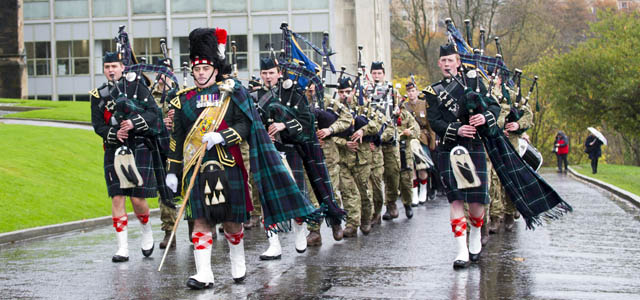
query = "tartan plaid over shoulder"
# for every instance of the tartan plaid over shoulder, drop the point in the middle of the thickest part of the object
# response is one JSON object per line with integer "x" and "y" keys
{"x": 533, "y": 197}
{"x": 280, "y": 197}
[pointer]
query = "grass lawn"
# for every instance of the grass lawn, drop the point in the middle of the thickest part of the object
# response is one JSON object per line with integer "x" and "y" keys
{"x": 50, "y": 176}
{"x": 55, "y": 110}
{"x": 624, "y": 177}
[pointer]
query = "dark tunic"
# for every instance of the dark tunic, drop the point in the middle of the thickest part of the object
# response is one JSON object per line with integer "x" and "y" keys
{"x": 447, "y": 112}
{"x": 234, "y": 130}
{"x": 142, "y": 139}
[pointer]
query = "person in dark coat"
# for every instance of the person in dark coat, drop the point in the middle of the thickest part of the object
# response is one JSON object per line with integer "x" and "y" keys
{"x": 561, "y": 149}
{"x": 592, "y": 147}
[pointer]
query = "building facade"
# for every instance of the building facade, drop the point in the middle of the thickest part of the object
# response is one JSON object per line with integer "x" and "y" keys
{"x": 65, "y": 39}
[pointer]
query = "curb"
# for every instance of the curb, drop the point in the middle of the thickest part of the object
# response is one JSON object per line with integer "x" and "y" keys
{"x": 48, "y": 120}
{"x": 25, "y": 234}
{"x": 633, "y": 198}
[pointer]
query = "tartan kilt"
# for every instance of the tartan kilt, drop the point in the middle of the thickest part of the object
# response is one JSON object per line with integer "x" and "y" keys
{"x": 478, "y": 156}
{"x": 144, "y": 164}
{"x": 235, "y": 196}
{"x": 297, "y": 168}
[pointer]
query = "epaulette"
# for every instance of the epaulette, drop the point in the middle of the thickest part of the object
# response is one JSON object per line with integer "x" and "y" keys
{"x": 94, "y": 93}
{"x": 175, "y": 102}
{"x": 429, "y": 90}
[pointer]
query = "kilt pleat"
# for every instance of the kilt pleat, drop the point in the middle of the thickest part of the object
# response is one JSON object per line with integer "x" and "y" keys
{"x": 471, "y": 195}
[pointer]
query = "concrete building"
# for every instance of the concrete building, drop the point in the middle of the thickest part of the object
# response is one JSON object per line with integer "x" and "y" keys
{"x": 65, "y": 39}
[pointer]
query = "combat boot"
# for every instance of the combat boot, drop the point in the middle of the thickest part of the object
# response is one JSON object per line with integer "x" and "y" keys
{"x": 338, "y": 233}
{"x": 484, "y": 235}
{"x": 391, "y": 213}
{"x": 408, "y": 211}
{"x": 350, "y": 231}
{"x": 165, "y": 241}
{"x": 509, "y": 222}
{"x": 365, "y": 227}
{"x": 494, "y": 225}
{"x": 314, "y": 239}
{"x": 376, "y": 219}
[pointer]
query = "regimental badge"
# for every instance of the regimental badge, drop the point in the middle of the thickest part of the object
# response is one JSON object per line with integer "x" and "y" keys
{"x": 208, "y": 100}
{"x": 452, "y": 106}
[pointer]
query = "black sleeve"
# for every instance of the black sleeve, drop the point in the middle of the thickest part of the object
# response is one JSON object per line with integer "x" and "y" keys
{"x": 107, "y": 132}
{"x": 149, "y": 117}
{"x": 447, "y": 131}
{"x": 176, "y": 143}
{"x": 238, "y": 122}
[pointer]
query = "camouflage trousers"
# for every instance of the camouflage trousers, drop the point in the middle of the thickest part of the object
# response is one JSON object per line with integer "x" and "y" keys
{"x": 167, "y": 216}
{"x": 406, "y": 177}
{"x": 375, "y": 180}
{"x": 500, "y": 204}
{"x": 391, "y": 157}
{"x": 354, "y": 188}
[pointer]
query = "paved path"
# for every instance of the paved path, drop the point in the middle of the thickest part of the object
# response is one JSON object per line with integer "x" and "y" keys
{"x": 593, "y": 253}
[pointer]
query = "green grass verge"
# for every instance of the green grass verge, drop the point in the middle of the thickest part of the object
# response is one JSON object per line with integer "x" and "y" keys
{"x": 55, "y": 110}
{"x": 50, "y": 176}
{"x": 624, "y": 177}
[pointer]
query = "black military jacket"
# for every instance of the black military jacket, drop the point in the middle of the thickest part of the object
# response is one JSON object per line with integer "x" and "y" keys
{"x": 450, "y": 107}
{"x": 106, "y": 120}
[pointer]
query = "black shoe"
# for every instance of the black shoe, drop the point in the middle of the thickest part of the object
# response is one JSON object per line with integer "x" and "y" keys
{"x": 416, "y": 205}
{"x": 266, "y": 257}
{"x": 119, "y": 258}
{"x": 147, "y": 253}
{"x": 239, "y": 280}
{"x": 408, "y": 211}
{"x": 197, "y": 285}
{"x": 474, "y": 257}
{"x": 460, "y": 264}
{"x": 431, "y": 196}
{"x": 387, "y": 216}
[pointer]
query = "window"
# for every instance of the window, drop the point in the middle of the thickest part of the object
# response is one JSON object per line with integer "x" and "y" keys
{"x": 73, "y": 57}
{"x": 179, "y": 6}
{"x": 71, "y": 8}
{"x": 36, "y": 9}
{"x": 142, "y": 7}
{"x": 229, "y": 5}
{"x": 241, "y": 51}
{"x": 316, "y": 39}
{"x": 38, "y": 58}
{"x": 99, "y": 49}
{"x": 148, "y": 48}
{"x": 309, "y": 4}
{"x": 241, "y": 47}
{"x": 184, "y": 50}
{"x": 272, "y": 5}
{"x": 109, "y": 8}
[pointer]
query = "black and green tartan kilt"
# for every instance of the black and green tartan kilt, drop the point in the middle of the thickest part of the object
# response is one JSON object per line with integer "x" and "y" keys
{"x": 471, "y": 195}
{"x": 142, "y": 156}
{"x": 236, "y": 196}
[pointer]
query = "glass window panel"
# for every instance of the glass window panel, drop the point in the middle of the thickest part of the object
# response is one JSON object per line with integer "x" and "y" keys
{"x": 30, "y": 47}
{"x": 241, "y": 42}
{"x": 81, "y": 48}
{"x": 183, "y": 59}
{"x": 268, "y": 5}
{"x": 264, "y": 42}
{"x": 63, "y": 49}
{"x": 188, "y": 6}
{"x": 65, "y": 97}
{"x": 64, "y": 67}
{"x": 42, "y": 67}
{"x": 81, "y": 66}
{"x": 147, "y": 7}
{"x": 309, "y": 4}
{"x": 43, "y": 49}
{"x": 139, "y": 46}
{"x": 155, "y": 46}
{"x": 36, "y": 9}
{"x": 229, "y": 5}
{"x": 30, "y": 67}
{"x": 71, "y": 8}
{"x": 44, "y": 97}
{"x": 109, "y": 8}
{"x": 243, "y": 61}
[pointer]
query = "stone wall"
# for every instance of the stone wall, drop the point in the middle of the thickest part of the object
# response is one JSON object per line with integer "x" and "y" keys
{"x": 13, "y": 71}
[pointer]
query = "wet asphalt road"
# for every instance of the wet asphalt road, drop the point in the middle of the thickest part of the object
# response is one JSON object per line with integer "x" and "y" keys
{"x": 593, "y": 253}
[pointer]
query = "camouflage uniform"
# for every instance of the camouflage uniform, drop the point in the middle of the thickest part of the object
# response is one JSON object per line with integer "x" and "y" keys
{"x": 406, "y": 121}
{"x": 355, "y": 169}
